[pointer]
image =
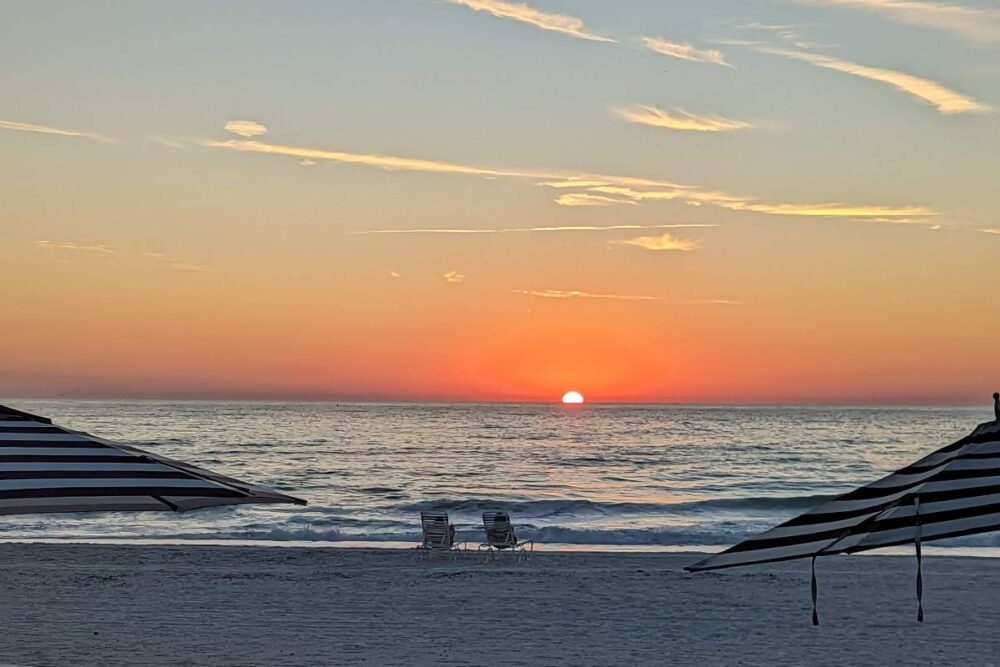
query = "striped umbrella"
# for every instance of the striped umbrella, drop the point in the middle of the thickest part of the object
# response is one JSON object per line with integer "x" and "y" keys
{"x": 954, "y": 491}
{"x": 47, "y": 468}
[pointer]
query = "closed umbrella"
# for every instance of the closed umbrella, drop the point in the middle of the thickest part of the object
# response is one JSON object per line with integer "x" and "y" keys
{"x": 47, "y": 468}
{"x": 954, "y": 491}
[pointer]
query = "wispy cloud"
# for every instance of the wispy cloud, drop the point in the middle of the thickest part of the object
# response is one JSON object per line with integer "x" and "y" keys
{"x": 946, "y": 100}
{"x": 664, "y": 241}
{"x": 55, "y": 245}
{"x": 159, "y": 257}
{"x": 178, "y": 264}
{"x": 721, "y": 199}
{"x": 454, "y": 277}
{"x": 168, "y": 143}
{"x": 831, "y": 210}
{"x": 678, "y": 119}
{"x": 613, "y": 189}
{"x": 574, "y": 294}
{"x": 573, "y": 183}
{"x": 989, "y": 231}
{"x": 684, "y": 51}
{"x": 594, "y": 180}
{"x": 781, "y": 28}
{"x": 518, "y": 11}
{"x": 784, "y": 32}
{"x": 973, "y": 24}
{"x": 696, "y": 196}
{"x": 246, "y": 128}
{"x": 519, "y": 230}
{"x": 386, "y": 162}
{"x": 712, "y": 302}
{"x": 584, "y": 199}
{"x": 924, "y": 222}
{"x": 395, "y": 274}
{"x": 44, "y": 129}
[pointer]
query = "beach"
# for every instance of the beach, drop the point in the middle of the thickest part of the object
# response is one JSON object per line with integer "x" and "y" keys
{"x": 75, "y": 604}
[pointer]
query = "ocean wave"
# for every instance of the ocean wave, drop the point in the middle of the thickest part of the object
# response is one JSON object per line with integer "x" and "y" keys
{"x": 670, "y": 536}
{"x": 576, "y": 507}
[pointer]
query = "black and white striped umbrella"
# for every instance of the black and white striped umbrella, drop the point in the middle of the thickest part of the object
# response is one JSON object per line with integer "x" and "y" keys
{"x": 47, "y": 468}
{"x": 954, "y": 491}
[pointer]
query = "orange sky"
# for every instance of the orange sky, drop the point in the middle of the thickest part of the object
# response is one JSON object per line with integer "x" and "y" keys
{"x": 737, "y": 213}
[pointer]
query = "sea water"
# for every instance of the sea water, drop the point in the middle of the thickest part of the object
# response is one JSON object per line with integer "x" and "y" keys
{"x": 617, "y": 477}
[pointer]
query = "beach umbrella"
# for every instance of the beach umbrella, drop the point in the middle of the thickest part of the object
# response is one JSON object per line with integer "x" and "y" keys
{"x": 47, "y": 468}
{"x": 954, "y": 491}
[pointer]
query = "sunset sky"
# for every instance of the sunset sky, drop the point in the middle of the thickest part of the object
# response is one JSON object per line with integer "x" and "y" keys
{"x": 711, "y": 201}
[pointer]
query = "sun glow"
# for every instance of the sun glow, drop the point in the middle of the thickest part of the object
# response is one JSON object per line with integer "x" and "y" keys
{"x": 572, "y": 398}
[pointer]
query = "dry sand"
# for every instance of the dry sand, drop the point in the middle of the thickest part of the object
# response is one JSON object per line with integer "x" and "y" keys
{"x": 195, "y": 605}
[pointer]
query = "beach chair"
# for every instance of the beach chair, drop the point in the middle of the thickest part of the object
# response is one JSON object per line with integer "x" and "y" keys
{"x": 500, "y": 536}
{"x": 438, "y": 536}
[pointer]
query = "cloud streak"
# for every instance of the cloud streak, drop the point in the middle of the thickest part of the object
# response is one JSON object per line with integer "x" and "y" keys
{"x": 57, "y": 131}
{"x": 179, "y": 264}
{"x": 518, "y": 11}
{"x": 712, "y": 302}
{"x": 574, "y": 294}
{"x": 159, "y": 257}
{"x": 577, "y": 188}
{"x": 54, "y": 245}
{"x": 946, "y": 101}
{"x": 830, "y": 210}
{"x": 584, "y": 199}
{"x": 453, "y": 277}
{"x": 678, "y": 119}
{"x": 684, "y": 51}
{"x": 662, "y": 242}
{"x": 968, "y": 23}
{"x": 881, "y": 213}
{"x": 521, "y": 230}
{"x": 385, "y": 162}
{"x": 167, "y": 143}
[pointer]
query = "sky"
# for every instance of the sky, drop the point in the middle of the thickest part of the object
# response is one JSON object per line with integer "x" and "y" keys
{"x": 743, "y": 201}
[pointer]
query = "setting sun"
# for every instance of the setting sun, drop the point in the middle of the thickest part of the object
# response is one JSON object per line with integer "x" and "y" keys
{"x": 572, "y": 397}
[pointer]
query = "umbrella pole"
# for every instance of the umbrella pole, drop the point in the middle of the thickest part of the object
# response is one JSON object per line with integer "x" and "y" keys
{"x": 815, "y": 591}
{"x": 920, "y": 578}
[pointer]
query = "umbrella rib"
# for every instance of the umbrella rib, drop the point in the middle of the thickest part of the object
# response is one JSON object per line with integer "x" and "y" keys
{"x": 173, "y": 507}
{"x": 914, "y": 493}
{"x": 859, "y": 527}
{"x": 206, "y": 478}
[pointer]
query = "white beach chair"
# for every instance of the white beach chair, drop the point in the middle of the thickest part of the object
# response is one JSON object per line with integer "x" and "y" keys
{"x": 438, "y": 536}
{"x": 500, "y": 536}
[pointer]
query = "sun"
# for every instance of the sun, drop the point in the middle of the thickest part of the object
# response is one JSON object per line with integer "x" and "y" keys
{"x": 572, "y": 398}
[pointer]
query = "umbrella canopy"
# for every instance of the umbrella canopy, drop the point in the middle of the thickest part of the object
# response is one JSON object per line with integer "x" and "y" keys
{"x": 47, "y": 468}
{"x": 954, "y": 491}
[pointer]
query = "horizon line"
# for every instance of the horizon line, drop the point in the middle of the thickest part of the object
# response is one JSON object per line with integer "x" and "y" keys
{"x": 855, "y": 402}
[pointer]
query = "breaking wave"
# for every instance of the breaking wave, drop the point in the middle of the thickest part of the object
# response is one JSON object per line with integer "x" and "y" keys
{"x": 548, "y": 508}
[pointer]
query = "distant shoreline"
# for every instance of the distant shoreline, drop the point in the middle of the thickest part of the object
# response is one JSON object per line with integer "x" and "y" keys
{"x": 848, "y": 404}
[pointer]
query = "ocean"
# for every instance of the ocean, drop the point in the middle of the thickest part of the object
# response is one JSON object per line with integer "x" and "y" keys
{"x": 601, "y": 477}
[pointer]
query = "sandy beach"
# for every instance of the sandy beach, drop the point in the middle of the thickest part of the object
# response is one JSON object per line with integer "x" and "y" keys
{"x": 191, "y": 605}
